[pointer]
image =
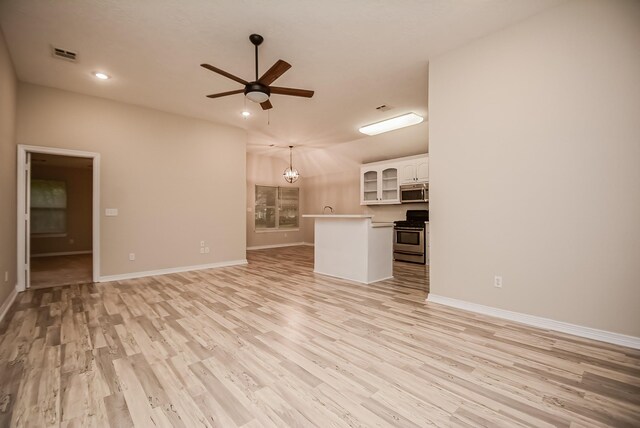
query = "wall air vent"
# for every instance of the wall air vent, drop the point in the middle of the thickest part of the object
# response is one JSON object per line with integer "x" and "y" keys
{"x": 64, "y": 54}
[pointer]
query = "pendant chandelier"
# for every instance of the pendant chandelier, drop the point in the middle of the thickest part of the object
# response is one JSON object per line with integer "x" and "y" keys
{"x": 290, "y": 175}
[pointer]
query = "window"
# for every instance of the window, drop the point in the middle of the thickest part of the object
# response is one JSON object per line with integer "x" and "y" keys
{"x": 48, "y": 207}
{"x": 276, "y": 208}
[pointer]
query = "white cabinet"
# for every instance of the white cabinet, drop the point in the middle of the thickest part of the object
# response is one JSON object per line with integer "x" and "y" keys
{"x": 379, "y": 185}
{"x": 380, "y": 181}
{"x": 414, "y": 170}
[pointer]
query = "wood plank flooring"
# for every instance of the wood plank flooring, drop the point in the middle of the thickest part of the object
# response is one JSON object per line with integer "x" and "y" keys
{"x": 272, "y": 344}
{"x": 53, "y": 271}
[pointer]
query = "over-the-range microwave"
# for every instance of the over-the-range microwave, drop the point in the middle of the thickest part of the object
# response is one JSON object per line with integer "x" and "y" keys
{"x": 418, "y": 192}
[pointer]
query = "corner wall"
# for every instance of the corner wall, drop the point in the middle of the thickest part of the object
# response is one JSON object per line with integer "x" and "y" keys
{"x": 8, "y": 201}
{"x": 175, "y": 180}
{"x": 534, "y": 151}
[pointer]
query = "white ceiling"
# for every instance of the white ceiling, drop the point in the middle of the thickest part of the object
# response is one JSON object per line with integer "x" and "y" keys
{"x": 355, "y": 54}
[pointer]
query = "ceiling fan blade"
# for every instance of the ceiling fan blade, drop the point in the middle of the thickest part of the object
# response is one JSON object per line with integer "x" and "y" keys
{"x": 224, "y": 73}
{"x": 291, "y": 91}
{"x": 224, "y": 94}
{"x": 274, "y": 72}
{"x": 266, "y": 105}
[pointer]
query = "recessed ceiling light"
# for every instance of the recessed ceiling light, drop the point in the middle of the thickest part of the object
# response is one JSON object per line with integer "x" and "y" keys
{"x": 246, "y": 114}
{"x": 101, "y": 76}
{"x": 392, "y": 124}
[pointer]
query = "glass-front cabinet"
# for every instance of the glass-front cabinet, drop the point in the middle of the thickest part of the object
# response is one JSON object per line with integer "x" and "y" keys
{"x": 379, "y": 185}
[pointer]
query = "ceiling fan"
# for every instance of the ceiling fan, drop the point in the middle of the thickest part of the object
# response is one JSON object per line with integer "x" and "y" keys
{"x": 260, "y": 90}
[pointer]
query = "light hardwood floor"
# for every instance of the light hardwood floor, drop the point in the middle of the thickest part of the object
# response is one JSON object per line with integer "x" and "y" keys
{"x": 53, "y": 271}
{"x": 272, "y": 344}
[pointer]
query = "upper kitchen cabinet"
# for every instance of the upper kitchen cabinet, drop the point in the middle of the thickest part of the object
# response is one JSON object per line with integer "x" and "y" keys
{"x": 414, "y": 170}
{"x": 379, "y": 184}
{"x": 380, "y": 181}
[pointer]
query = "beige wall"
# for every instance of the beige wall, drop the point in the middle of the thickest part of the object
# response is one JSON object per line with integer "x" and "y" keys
{"x": 79, "y": 183}
{"x": 339, "y": 190}
{"x": 8, "y": 89}
{"x": 534, "y": 151}
{"x": 267, "y": 171}
{"x": 175, "y": 180}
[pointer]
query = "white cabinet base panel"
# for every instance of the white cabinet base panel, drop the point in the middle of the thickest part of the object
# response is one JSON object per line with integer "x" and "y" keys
{"x": 350, "y": 247}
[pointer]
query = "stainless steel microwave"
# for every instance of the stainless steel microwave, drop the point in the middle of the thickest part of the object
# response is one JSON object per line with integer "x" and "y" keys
{"x": 414, "y": 193}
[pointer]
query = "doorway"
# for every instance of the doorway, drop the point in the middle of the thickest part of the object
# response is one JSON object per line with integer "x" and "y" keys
{"x": 58, "y": 217}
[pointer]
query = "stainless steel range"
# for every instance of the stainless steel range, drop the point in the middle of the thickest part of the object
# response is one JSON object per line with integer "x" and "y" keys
{"x": 409, "y": 243}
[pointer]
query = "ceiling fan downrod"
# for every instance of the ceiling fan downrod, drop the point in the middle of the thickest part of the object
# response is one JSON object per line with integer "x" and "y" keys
{"x": 257, "y": 40}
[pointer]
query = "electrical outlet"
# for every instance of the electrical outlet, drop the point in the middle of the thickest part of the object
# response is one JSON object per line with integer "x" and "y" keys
{"x": 132, "y": 256}
{"x": 202, "y": 243}
{"x": 201, "y": 250}
{"x": 206, "y": 250}
{"x": 497, "y": 281}
{"x": 71, "y": 241}
{"x": 6, "y": 276}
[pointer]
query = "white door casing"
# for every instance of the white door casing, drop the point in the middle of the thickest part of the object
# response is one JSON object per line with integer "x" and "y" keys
{"x": 24, "y": 173}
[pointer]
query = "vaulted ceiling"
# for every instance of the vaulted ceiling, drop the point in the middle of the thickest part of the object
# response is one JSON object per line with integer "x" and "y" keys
{"x": 356, "y": 55}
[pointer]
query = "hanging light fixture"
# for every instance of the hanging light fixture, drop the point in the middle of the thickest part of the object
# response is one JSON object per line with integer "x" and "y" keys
{"x": 290, "y": 175}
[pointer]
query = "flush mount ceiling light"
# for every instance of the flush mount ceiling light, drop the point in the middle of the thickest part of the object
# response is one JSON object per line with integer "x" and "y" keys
{"x": 392, "y": 124}
{"x": 245, "y": 113}
{"x": 290, "y": 175}
{"x": 101, "y": 76}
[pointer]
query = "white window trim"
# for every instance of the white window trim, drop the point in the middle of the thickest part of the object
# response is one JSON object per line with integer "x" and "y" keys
{"x": 281, "y": 230}
{"x": 278, "y": 228}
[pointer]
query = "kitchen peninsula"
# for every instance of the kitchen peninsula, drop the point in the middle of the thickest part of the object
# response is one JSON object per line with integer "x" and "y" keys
{"x": 352, "y": 246}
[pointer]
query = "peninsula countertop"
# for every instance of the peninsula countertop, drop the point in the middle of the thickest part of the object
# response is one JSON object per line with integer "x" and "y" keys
{"x": 353, "y": 216}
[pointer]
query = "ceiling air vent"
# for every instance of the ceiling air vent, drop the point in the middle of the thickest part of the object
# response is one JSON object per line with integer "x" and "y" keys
{"x": 64, "y": 54}
{"x": 384, "y": 107}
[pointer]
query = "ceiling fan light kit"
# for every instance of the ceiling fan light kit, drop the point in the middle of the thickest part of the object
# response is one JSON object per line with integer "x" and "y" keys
{"x": 259, "y": 91}
{"x": 392, "y": 124}
{"x": 290, "y": 174}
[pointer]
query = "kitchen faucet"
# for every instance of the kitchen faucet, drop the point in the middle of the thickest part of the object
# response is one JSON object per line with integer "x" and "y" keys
{"x": 325, "y": 207}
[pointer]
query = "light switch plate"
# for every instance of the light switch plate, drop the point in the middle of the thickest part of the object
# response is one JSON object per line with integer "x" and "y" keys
{"x": 111, "y": 212}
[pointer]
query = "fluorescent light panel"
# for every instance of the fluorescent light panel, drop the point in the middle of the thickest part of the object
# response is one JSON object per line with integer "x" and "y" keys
{"x": 392, "y": 124}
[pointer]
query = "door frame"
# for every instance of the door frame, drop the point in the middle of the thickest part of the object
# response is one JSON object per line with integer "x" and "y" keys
{"x": 22, "y": 192}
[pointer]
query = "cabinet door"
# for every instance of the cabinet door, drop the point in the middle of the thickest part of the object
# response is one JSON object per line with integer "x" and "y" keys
{"x": 407, "y": 172}
{"x": 389, "y": 185}
{"x": 422, "y": 169}
{"x": 369, "y": 187}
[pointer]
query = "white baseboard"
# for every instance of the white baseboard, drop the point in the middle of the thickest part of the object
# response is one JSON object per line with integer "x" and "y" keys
{"x": 64, "y": 253}
{"x": 535, "y": 321}
{"x": 264, "y": 247}
{"x": 134, "y": 275}
{"x": 4, "y": 308}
